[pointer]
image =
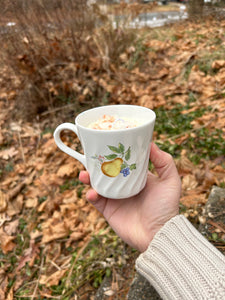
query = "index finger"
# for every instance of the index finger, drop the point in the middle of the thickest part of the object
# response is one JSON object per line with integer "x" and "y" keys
{"x": 84, "y": 177}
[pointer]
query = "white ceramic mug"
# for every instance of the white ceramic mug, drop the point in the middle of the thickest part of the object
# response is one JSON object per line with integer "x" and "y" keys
{"x": 117, "y": 160}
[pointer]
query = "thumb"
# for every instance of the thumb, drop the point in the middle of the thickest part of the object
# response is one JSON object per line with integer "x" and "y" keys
{"x": 163, "y": 163}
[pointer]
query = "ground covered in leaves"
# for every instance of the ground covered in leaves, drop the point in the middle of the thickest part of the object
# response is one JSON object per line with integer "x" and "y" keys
{"x": 55, "y": 245}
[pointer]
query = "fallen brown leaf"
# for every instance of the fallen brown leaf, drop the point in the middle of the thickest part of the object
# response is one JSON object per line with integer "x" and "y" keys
{"x": 218, "y": 64}
{"x": 3, "y": 284}
{"x": 67, "y": 170}
{"x": 10, "y": 294}
{"x": 29, "y": 256}
{"x": 193, "y": 200}
{"x": 52, "y": 279}
{"x": 31, "y": 202}
{"x": 8, "y": 153}
{"x": 11, "y": 227}
{"x": 189, "y": 182}
{"x": 16, "y": 190}
{"x": 6, "y": 242}
{"x": 15, "y": 206}
{"x": 54, "y": 231}
{"x": 3, "y": 202}
{"x": 4, "y": 218}
{"x": 75, "y": 236}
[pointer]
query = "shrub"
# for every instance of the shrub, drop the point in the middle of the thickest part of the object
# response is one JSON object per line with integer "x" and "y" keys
{"x": 57, "y": 49}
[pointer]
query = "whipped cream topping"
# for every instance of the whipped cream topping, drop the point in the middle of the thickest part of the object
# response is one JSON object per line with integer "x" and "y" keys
{"x": 108, "y": 122}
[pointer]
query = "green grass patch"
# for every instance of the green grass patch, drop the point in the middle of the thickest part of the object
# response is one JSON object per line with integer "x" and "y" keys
{"x": 9, "y": 167}
{"x": 103, "y": 253}
{"x": 204, "y": 143}
{"x": 137, "y": 58}
{"x": 204, "y": 61}
{"x": 69, "y": 184}
{"x": 173, "y": 122}
{"x": 207, "y": 144}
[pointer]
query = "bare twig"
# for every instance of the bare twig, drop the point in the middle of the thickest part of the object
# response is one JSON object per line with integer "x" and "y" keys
{"x": 36, "y": 286}
{"x": 21, "y": 147}
{"x": 37, "y": 296}
{"x": 216, "y": 225}
{"x": 15, "y": 191}
{"x": 55, "y": 265}
{"x": 71, "y": 269}
{"x": 57, "y": 109}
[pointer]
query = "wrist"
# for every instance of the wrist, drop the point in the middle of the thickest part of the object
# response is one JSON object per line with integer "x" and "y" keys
{"x": 151, "y": 232}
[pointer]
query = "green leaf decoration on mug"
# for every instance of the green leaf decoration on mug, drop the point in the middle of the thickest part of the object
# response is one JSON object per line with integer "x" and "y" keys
{"x": 111, "y": 156}
{"x": 117, "y": 162}
{"x": 127, "y": 154}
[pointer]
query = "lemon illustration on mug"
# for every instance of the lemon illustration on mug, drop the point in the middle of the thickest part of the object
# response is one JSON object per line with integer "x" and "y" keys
{"x": 117, "y": 162}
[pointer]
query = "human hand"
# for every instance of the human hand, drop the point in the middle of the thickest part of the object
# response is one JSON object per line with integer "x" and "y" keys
{"x": 137, "y": 219}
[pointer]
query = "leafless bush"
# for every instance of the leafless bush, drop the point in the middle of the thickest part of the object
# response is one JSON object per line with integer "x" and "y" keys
{"x": 56, "y": 47}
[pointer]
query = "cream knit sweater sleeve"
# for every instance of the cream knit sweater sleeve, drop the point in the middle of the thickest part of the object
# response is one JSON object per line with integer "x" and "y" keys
{"x": 181, "y": 264}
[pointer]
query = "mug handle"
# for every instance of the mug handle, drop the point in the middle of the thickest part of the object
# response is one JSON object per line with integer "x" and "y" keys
{"x": 65, "y": 148}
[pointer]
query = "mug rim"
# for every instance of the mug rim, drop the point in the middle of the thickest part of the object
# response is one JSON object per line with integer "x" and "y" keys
{"x": 143, "y": 108}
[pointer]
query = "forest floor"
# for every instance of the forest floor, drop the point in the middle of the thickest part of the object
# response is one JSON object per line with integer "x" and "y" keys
{"x": 53, "y": 243}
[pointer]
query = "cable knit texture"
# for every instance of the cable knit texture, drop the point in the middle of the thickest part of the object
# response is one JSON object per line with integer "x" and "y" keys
{"x": 181, "y": 264}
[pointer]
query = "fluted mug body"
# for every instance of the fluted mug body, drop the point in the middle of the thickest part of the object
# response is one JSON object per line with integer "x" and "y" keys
{"x": 117, "y": 160}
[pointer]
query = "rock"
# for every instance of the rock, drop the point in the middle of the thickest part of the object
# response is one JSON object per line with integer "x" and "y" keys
{"x": 141, "y": 289}
{"x": 213, "y": 218}
{"x": 103, "y": 289}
